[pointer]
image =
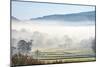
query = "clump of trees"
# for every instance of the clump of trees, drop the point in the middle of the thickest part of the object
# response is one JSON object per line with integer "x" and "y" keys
{"x": 21, "y": 57}
{"x": 24, "y": 47}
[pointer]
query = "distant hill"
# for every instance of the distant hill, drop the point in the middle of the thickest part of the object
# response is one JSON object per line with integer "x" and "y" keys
{"x": 14, "y": 19}
{"x": 75, "y": 17}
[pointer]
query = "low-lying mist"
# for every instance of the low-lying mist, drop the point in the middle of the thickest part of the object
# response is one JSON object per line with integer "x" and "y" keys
{"x": 53, "y": 35}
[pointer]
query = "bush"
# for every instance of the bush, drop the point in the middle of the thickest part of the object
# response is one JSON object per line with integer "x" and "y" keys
{"x": 19, "y": 60}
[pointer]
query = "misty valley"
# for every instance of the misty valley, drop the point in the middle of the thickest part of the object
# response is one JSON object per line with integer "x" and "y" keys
{"x": 50, "y": 33}
{"x": 45, "y": 44}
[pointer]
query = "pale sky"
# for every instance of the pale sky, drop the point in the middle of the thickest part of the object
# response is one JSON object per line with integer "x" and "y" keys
{"x": 28, "y": 10}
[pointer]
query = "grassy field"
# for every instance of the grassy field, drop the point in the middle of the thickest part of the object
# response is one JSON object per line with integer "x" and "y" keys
{"x": 65, "y": 57}
{"x": 40, "y": 58}
{"x": 67, "y": 60}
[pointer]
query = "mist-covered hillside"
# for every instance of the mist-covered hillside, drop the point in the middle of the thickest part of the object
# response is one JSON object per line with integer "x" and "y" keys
{"x": 85, "y": 18}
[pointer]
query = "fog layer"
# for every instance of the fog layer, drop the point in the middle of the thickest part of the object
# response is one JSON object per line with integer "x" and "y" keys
{"x": 53, "y": 35}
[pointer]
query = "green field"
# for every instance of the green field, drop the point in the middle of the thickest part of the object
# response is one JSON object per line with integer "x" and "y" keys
{"x": 67, "y": 60}
{"x": 65, "y": 57}
{"x": 38, "y": 58}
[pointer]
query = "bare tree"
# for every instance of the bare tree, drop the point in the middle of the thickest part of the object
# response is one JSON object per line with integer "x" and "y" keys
{"x": 37, "y": 53}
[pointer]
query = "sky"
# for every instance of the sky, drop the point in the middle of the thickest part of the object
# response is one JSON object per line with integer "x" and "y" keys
{"x": 28, "y": 10}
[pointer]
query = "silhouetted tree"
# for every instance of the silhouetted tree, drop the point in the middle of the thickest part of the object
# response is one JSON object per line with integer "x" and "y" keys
{"x": 24, "y": 47}
{"x": 13, "y": 50}
{"x": 37, "y": 53}
{"x": 29, "y": 45}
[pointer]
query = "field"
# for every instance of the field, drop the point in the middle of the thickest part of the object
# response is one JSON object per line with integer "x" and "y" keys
{"x": 67, "y": 60}
{"x": 48, "y": 57}
{"x": 65, "y": 57}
